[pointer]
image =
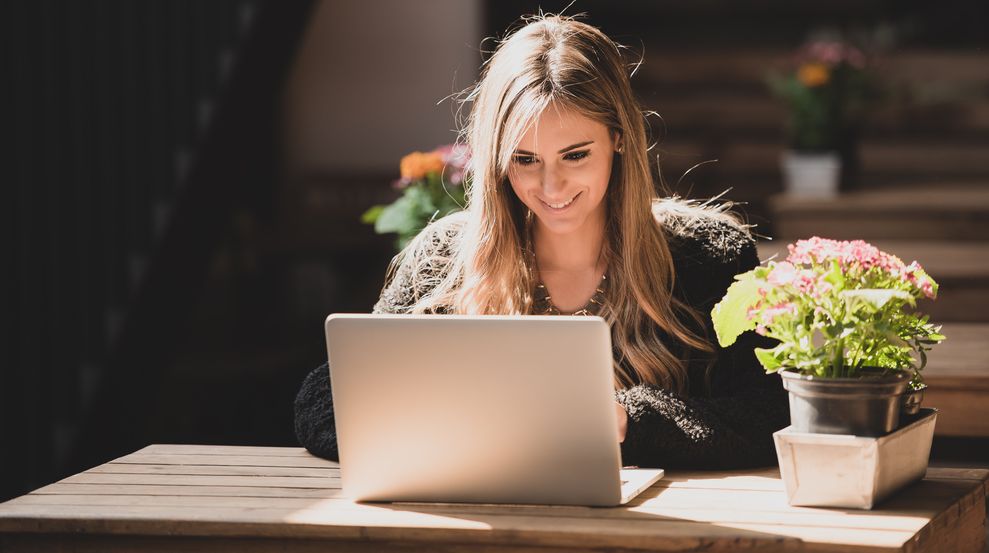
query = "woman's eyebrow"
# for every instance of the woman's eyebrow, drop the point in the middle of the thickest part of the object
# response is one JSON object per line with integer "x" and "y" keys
{"x": 563, "y": 151}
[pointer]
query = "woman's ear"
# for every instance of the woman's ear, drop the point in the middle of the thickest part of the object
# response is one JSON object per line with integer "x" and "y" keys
{"x": 619, "y": 144}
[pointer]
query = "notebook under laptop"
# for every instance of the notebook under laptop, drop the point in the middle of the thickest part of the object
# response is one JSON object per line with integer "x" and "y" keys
{"x": 478, "y": 409}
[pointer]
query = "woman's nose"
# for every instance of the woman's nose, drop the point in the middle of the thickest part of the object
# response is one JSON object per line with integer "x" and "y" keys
{"x": 552, "y": 180}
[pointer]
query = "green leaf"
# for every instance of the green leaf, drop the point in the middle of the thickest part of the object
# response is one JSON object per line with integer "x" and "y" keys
{"x": 408, "y": 215}
{"x": 761, "y": 272}
{"x": 834, "y": 275}
{"x": 372, "y": 214}
{"x": 877, "y": 298}
{"x": 422, "y": 202}
{"x": 731, "y": 314}
{"x": 400, "y": 217}
{"x": 767, "y": 357}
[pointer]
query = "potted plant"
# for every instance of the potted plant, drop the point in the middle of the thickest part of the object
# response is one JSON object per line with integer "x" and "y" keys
{"x": 433, "y": 185}
{"x": 827, "y": 91}
{"x": 851, "y": 343}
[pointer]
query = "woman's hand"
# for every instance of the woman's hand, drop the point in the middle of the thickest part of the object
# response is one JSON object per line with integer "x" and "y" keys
{"x": 622, "y": 421}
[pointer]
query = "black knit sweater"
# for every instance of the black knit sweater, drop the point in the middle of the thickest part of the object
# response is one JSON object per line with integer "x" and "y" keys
{"x": 727, "y": 418}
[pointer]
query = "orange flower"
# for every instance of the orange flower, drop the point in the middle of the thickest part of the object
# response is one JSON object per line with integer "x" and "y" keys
{"x": 813, "y": 74}
{"x": 417, "y": 165}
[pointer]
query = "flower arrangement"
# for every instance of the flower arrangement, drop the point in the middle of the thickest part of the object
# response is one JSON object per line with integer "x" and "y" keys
{"x": 433, "y": 185}
{"x": 836, "y": 307}
{"x": 827, "y": 91}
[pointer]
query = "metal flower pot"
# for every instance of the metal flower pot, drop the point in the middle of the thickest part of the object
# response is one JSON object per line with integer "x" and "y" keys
{"x": 912, "y": 399}
{"x": 865, "y": 406}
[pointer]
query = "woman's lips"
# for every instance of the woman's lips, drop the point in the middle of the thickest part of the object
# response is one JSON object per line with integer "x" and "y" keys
{"x": 562, "y": 206}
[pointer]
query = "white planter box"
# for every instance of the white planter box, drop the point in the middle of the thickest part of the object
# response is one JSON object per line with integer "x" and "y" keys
{"x": 834, "y": 470}
{"x": 811, "y": 175}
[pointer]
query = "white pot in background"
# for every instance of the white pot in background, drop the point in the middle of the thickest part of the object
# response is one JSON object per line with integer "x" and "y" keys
{"x": 811, "y": 175}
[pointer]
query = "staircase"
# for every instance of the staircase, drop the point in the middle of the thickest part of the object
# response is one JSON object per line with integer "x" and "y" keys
{"x": 703, "y": 70}
{"x": 922, "y": 191}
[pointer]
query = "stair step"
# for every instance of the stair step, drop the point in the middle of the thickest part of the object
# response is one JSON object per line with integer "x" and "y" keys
{"x": 883, "y": 159}
{"x": 881, "y": 163}
{"x": 957, "y": 376}
{"x": 930, "y": 72}
{"x": 726, "y": 115}
{"x": 916, "y": 213}
{"x": 960, "y": 268}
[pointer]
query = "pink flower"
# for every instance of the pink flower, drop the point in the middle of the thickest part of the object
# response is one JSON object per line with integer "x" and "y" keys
{"x": 916, "y": 276}
{"x": 772, "y": 313}
{"x": 813, "y": 250}
{"x": 849, "y": 254}
{"x": 817, "y": 287}
{"x": 827, "y": 52}
{"x": 806, "y": 279}
{"x": 753, "y": 311}
{"x": 829, "y": 288}
{"x": 783, "y": 273}
{"x": 456, "y": 158}
{"x": 832, "y": 53}
{"x": 855, "y": 57}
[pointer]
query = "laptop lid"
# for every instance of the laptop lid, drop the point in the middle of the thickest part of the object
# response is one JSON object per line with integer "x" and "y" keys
{"x": 490, "y": 409}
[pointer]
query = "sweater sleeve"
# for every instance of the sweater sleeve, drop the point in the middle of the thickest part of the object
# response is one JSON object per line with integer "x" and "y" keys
{"x": 730, "y": 424}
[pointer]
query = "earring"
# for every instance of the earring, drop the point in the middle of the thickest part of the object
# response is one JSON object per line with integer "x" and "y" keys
{"x": 620, "y": 149}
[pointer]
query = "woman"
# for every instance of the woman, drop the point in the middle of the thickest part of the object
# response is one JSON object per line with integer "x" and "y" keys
{"x": 561, "y": 218}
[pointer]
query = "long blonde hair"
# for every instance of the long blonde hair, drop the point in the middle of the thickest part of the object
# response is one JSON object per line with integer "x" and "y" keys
{"x": 491, "y": 269}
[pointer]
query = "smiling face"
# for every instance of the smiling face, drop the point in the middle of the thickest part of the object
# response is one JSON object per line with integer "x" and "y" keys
{"x": 560, "y": 170}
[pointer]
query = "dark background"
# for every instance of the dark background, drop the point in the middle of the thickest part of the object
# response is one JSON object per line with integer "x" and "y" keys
{"x": 167, "y": 274}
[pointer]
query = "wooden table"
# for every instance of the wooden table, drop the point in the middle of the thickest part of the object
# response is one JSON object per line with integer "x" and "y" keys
{"x": 226, "y": 498}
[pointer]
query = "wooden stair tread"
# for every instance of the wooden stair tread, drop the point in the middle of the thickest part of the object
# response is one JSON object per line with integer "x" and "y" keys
{"x": 699, "y": 66}
{"x": 957, "y": 377}
{"x": 945, "y": 160}
{"x": 717, "y": 109}
{"x": 963, "y": 356}
{"x": 928, "y": 199}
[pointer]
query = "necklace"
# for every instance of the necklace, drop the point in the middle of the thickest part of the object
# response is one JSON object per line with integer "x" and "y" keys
{"x": 543, "y": 303}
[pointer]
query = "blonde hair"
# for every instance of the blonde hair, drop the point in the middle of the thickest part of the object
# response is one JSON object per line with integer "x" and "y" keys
{"x": 554, "y": 59}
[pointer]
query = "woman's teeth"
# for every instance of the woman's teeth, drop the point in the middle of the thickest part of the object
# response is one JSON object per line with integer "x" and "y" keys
{"x": 561, "y": 205}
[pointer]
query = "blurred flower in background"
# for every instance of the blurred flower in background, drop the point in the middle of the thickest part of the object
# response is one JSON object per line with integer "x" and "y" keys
{"x": 433, "y": 185}
{"x": 828, "y": 90}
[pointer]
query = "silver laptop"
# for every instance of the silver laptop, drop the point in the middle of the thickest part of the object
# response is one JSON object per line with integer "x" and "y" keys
{"x": 478, "y": 409}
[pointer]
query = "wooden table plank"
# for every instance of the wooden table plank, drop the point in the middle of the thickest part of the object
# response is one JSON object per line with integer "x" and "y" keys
{"x": 238, "y": 450}
{"x": 223, "y": 460}
{"x": 231, "y": 493}
{"x": 204, "y": 480}
{"x": 389, "y": 523}
{"x": 925, "y": 498}
{"x": 200, "y": 491}
{"x": 934, "y": 496}
{"x": 228, "y": 470}
{"x": 679, "y": 508}
{"x": 179, "y": 544}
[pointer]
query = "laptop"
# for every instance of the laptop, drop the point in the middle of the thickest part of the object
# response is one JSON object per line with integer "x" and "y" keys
{"x": 478, "y": 409}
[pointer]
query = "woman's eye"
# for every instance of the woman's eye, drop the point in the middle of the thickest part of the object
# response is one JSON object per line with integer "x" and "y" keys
{"x": 524, "y": 160}
{"x": 576, "y": 156}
